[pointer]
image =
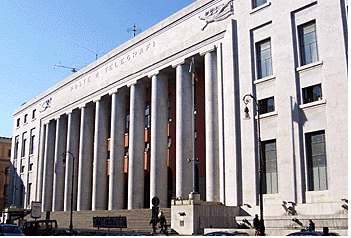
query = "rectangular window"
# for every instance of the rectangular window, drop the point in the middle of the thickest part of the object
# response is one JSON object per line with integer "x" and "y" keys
{"x": 312, "y": 93}
{"x": 32, "y": 139}
{"x": 264, "y": 58}
{"x": 30, "y": 164}
{"x": 147, "y": 115}
{"x": 316, "y": 161}
{"x": 24, "y": 142}
{"x": 18, "y": 122}
{"x": 266, "y": 105}
{"x": 270, "y": 174}
{"x": 29, "y": 190}
{"x": 257, "y": 3}
{"x": 22, "y": 166}
{"x": 308, "y": 43}
{"x": 127, "y": 121}
{"x": 16, "y": 147}
{"x": 169, "y": 103}
{"x": 33, "y": 113}
{"x": 25, "y": 118}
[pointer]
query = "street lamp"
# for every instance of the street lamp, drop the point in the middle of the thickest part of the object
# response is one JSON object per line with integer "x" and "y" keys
{"x": 247, "y": 98}
{"x": 64, "y": 161}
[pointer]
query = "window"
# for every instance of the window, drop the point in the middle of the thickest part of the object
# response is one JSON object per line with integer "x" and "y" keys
{"x": 18, "y": 122}
{"x": 30, "y": 164}
{"x": 32, "y": 139}
{"x": 9, "y": 153}
{"x": 264, "y": 58}
{"x": 266, "y": 105}
{"x": 29, "y": 190}
{"x": 7, "y": 170}
{"x": 270, "y": 175}
{"x": 308, "y": 43}
{"x": 169, "y": 103}
{"x": 25, "y": 118}
{"x": 16, "y": 147}
{"x": 257, "y": 3}
{"x": 147, "y": 115}
{"x": 127, "y": 121}
{"x": 312, "y": 93}
{"x": 316, "y": 161}
{"x": 33, "y": 113}
{"x": 24, "y": 141}
{"x": 22, "y": 166}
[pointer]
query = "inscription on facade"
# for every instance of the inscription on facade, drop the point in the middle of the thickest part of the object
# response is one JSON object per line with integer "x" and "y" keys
{"x": 114, "y": 65}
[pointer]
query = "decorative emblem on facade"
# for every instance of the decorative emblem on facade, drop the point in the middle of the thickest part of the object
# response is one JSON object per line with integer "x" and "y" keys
{"x": 218, "y": 13}
{"x": 45, "y": 105}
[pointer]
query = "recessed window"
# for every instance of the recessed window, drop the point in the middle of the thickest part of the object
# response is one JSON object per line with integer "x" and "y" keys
{"x": 316, "y": 161}
{"x": 264, "y": 58}
{"x": 25, "y": 118}
{"x": 32, "y": 140}
{"x": 24, "y": 142}
{"x": 127, "y": 121}
{"x": 16, "y": 147}
{"x": 18, "y": 122}
{"x": 270, "y": 167}
{"x": 257, "y": 3}
{"x": 147, "y": 115}
{"x": 308, "y": 43}
{"x": 312, "y": 93}
{"x": 266, "y": 105}
{"x": 33, "y": 113}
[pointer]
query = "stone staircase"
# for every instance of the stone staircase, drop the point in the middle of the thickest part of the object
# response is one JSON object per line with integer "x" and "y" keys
{"x": 138, "y": 220}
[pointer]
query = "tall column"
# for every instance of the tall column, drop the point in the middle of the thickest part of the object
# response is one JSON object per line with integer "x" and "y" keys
{"x": 59, "y": 175}
{"x": 159, "y": 116}
{"x": 184, "y": 141}
{"x": 99, "y": 200}
{"x": 48, "y": 166}
{"x": 86, "y": 144}
{"x": 117, "y": 145}
{"x": 211, "y": 128}
{"x": 42, "y": 140}
{"x": 136, "y": 146}
{"x": 73, "y": 147}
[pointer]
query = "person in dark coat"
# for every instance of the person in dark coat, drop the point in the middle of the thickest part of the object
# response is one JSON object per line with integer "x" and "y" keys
{"x": 311, "y": 226}
{"x": 256, "y": 224}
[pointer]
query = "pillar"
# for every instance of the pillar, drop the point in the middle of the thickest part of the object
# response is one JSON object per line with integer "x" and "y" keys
{"x": 184, "y": 140}
{"x": 48, "y": 166}
{"x": 136, "y": 147}
{"x": 117, "y": 147}
{"x": 211, "y": 128}
{"x": 86, "y": 144}
{"x": 72, "y": 147}
{"x": 59, "y": 176}
{"x": 99, "y": 196}
{"x": 159, "y": 138}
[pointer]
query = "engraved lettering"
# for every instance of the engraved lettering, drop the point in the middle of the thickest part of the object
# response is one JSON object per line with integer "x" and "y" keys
{"x": 122, "y": 61}
{"x": 135, "y": 54}
{"x": 116, "y": 64}
{"x": 147, "y": 47}
{"x": 141, "y": 51}
{"x": 97, "y": 75}
{"x": 128, "y": 57}
{"x": 110, "y": 68}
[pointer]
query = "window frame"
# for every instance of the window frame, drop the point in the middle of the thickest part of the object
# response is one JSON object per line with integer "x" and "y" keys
{"x": 264, "y": 105}
{"x": 273, "y": 188}
{"x": 255, "y": 3}
{"x": 267, "y": 62}
{"x": 303, "y": 46}
{"x": 308, "y": 94}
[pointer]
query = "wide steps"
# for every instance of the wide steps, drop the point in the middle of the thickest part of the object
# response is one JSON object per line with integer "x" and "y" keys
{"x": 138, "y": 220}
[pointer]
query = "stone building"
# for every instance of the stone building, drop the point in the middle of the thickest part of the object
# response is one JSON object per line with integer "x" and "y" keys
{"x": 126, "y": 118}
{"x": 5, "y": 154}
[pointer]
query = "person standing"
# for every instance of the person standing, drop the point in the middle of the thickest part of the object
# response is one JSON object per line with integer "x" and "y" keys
{"x": 256, "y": 224}
{"x": 311, "y": 226}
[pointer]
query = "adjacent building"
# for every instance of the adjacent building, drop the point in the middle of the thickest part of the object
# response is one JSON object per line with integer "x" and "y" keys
{"x": 123, "y": 124}
{"x": 5, "y": 154}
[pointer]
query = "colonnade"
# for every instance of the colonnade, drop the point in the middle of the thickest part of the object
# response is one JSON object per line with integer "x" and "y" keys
{"x": 85, "y": 132}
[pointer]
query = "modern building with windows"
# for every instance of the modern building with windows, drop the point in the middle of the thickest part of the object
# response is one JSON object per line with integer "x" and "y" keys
{"x": 127, "y": 117}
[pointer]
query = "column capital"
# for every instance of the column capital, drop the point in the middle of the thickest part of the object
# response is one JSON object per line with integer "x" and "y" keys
{"x": 178, "y": 62}
{"x": 207, "y": 49}
{"x": 153, "y": 73}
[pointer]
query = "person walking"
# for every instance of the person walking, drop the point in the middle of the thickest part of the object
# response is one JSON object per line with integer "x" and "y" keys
{"x": 311, "y": 226}
{"x": 256, "y": 224}
{"x": 162, "y": 220}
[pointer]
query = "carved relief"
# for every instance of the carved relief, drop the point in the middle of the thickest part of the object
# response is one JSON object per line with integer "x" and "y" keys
{"x": 45, "y": 105}
{"x": 218, "y": 13}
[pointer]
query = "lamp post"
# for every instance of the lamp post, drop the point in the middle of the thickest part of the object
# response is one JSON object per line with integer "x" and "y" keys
{"x": 71, "y": 216}
{"x": 247, "y": 98}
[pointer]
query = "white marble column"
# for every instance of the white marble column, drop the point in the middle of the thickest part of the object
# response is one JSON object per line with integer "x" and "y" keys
{"x": 86, "y": 144}
{"x": 48, "y": 166}
{"x": 159, "y": 138}
{"x": 117, "y": 147}
{"x": 184, "y": 141}
{"x": 73, "y": 147}
{"x": 136, "y": 146}
{"x": 211, "y": 128}
{"x": 99, "y": 199}
{"x": 41, "y": 159}
{"x": 59, "y": 175}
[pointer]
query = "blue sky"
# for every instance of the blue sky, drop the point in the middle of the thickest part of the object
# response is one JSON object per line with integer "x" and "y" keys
{"x": 37, "y": 34}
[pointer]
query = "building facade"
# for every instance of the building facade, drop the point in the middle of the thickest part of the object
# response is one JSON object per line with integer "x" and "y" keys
{"x": 5, "y": 155}
{"x": 121, "y": 127}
